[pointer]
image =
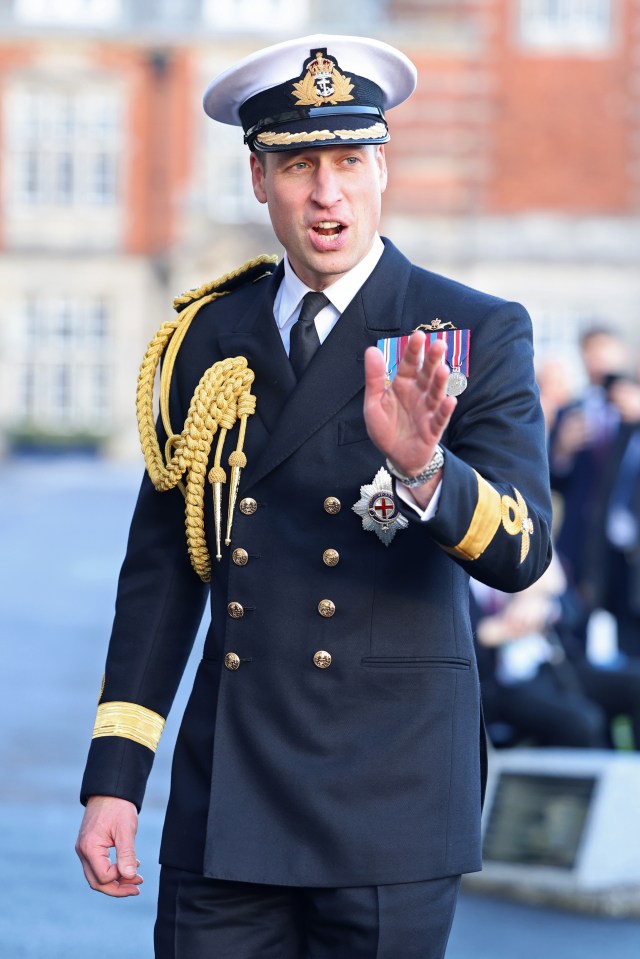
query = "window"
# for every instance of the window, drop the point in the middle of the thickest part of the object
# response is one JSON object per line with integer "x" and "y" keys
{"x": 230, "y": 196}
{"x": 69, "y": 12}
{"x": 64, "y": 363}
{"x": 566, "y": 24}
{"x": 269, "y": 14}
{"x": 64, "y": 146}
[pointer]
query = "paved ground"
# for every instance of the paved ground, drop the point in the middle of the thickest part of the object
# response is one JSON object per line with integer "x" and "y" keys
{"x": 63, "y": 528}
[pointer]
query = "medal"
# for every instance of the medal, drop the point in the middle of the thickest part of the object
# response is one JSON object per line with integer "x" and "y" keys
{"x": 457, "y": 354}
{"x": 378, "y": 508}
{"x": 457, "y": 383}
{"x": 456, "y": 358}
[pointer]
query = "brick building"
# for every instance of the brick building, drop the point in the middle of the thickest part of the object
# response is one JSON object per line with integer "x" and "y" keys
{"x": 515, "y": 168}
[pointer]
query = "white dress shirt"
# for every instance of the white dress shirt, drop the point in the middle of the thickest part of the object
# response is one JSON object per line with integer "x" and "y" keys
{"x": 288, "y": 302}
{"x": 286, "y": 310}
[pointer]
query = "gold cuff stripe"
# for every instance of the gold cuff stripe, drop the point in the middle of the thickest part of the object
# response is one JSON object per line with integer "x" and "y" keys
{"x": 129, "y": 721}
{"x": 270, "y": 138}
{"x": 484, "y": 523}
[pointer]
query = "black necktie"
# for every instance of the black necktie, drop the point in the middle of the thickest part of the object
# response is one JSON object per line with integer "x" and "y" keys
{"x": 304, "y": 336}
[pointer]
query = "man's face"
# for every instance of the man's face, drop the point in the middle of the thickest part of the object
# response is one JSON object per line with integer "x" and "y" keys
{"x": 603, "y": 353}
{"x": 324, "y": 204}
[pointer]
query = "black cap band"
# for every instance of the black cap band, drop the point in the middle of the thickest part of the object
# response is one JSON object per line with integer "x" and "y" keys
{"x": 290, "y": 116}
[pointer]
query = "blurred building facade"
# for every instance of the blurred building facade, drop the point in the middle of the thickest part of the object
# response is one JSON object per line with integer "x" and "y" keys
{"x": 515, "y": 168}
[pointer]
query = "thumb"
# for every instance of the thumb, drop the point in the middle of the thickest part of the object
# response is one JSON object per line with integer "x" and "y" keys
{"x": 126, "y": 860}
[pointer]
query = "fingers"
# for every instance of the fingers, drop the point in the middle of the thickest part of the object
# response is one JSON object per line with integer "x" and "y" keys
{"x": 418, "y": 366}
{"x": 116, "y": 886}
{"x": 407, "y": 419}
{"x": 424, "y": 366}
{"x": 109, "y": 823}
{"x": 375, "y": 373}
{"x": 431, "y": 374}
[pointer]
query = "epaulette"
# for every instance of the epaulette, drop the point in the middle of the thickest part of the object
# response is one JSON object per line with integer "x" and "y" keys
{"x": 249, "y": 272}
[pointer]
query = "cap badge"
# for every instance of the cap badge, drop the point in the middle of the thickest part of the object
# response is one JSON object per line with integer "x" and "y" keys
{"x": 321, "y": 82}
{"x": 378, "y": 508}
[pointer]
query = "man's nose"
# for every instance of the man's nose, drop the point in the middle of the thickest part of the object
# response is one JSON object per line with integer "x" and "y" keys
{"x": 327, "y": 190}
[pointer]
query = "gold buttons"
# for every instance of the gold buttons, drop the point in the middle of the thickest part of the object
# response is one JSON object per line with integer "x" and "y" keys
{"x": 326, "y": 608}
{"x": 232, "y": 661}
{"x": 248, "y": 506}
{"x": 240, "y": 557}
{"x": 322, "y": 659}
{"x": 235, "y": 610}
{"x": 331, "y": 557}
{"x": 332, "y": 505}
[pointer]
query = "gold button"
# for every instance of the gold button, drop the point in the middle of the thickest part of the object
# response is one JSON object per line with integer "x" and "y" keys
{"x": 331, "y": 557}
{"x": 232, "y": 661}
{"x": 322, "y": 659}
{"x": 326, "y": 608}
{"x": 235, "y": 610}
{"x": 248, "y": 506}
{"x": 240, "y": 557}
{"x": 332, "y": 505}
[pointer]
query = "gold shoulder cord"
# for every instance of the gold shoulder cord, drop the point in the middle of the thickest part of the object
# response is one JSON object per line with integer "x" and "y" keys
{"x": 222, "y": 396}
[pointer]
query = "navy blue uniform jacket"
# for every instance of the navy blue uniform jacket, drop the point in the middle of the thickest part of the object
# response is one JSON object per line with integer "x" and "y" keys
{"x": 369, "y": 771}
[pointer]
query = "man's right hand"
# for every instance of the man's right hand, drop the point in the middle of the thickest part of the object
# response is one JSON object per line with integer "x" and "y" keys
{"x": 109, "y": 823}
{"x": 574, "y": 434}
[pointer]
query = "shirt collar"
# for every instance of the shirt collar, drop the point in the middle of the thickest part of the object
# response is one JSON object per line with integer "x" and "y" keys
{"x": 339, "y": 293}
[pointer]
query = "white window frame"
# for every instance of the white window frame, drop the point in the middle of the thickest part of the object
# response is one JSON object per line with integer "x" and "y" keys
{"x": 230, "y": 196}
{"x": 265, "y": 15}
{"x": 57, "y": 138}
{"x": 566, "y": 25}
{"x": 64, "y": 362}
{"x": 68, "y": 12}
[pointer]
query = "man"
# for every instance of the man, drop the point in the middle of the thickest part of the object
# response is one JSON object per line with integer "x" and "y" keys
{"x": 326, "y": 787}
{"x": 595, "y": 467}
{"x": 536, "y": 680}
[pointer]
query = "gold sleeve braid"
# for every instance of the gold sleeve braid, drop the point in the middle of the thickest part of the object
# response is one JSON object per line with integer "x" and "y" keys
{"x": 492, "y": 513}
{"x": 222, "y": 396}
{"x": 129, "y": 721}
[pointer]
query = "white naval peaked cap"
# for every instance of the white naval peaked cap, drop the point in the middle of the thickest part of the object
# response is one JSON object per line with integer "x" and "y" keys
{"x": 312, "y": 91}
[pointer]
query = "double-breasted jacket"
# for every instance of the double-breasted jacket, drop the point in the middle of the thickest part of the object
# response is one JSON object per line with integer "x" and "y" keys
{"x": 367, "y": 771}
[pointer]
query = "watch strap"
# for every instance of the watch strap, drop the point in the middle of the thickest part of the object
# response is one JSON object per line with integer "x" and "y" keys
{"x": 433, "y": 466}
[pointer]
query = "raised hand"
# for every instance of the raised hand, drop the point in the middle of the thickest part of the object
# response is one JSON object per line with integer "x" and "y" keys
{"x": 407, "y": 418}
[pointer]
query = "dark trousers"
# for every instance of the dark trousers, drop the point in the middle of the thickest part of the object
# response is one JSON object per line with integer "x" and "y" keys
{"x": 549, "y": 710}
{"x": 572, "y": 706}
{"x": 200, "y": 918}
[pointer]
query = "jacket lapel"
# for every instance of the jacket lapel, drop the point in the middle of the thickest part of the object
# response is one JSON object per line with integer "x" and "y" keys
{"x": 336, "y": 372}
{"x": 257, "y": 338}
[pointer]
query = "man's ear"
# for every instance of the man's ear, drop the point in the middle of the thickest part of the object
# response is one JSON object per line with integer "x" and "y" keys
{"x": 381, "y": 161}
{"x": 258, "y": 177}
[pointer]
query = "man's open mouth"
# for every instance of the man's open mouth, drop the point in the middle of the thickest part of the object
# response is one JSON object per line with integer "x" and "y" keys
{"x": 328, "y": 228}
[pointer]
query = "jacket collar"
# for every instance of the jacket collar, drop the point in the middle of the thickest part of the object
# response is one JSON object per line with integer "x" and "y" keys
{"x": 292, "y": 411}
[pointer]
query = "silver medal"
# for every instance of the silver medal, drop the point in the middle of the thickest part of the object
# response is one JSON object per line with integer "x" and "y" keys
{"x": 457, "y": 383}
{"x": 378, "y": 508}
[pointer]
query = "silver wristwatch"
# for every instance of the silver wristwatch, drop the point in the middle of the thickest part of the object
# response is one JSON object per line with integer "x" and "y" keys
{"x": 437, "y": 462}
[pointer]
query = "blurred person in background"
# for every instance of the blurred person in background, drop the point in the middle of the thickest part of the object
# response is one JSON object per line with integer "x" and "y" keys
{"x": 594, "y": 455}
{"x": 537, "y": 683}
{"x": 554, "y": 382}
